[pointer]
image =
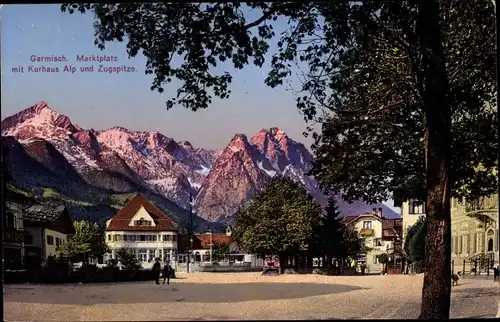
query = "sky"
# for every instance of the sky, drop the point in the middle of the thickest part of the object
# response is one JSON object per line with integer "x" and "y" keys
{"x": 101, "y": 100}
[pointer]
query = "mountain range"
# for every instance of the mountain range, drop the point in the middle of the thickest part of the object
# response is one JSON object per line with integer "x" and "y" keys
{"x": 51, "y": 156}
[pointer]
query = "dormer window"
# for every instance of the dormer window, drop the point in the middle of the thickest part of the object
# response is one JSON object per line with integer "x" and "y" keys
{"x": 142, "y": 222}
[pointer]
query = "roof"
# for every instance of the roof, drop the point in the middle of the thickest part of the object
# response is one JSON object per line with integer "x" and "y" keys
{"x": 43, "y": 214}
{"x": 215, "y": 238}
{"x": 202, "y": 241}
{"x": 390, "y": 233}
{"x": 391, "y": 228}
{"x": 54, "y": 217}
{"x": 350, "y": 219}
{"x": 120, "y": 221}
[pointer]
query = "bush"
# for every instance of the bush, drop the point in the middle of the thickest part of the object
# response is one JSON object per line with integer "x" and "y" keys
{"x": 10, "y": 277}
{"x": 53, "y": 274}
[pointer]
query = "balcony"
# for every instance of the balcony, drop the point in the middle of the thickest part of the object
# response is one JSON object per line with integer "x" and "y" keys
{"x": 13, "y": 235}
{"x": 366, "y": 232}
{"x": 481, "y": 204}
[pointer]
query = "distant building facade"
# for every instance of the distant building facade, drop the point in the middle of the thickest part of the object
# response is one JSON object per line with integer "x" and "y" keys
{"x": 474, "y": 228}
{"x": 13, "y": 229}
{"x": 411, "y": 212}
{"x": 380, "y": 235}
{"x": 46, "y": 229}
{"x": 202, "y": 251}
{"x": 144, "y": 230}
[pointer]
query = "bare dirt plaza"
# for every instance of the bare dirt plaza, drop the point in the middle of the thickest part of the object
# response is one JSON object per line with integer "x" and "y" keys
{"x": 210, "y": 296}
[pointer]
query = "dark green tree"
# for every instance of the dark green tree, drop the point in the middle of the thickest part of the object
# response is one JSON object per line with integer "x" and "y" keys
{"x": 220, "y": 252}
{"x": 405, "y": 96}
{"x": 88, "y": 241}
{"x": 414, "y": 244}
{"x": 128, "y": 260}
{"x": 281, "y": 219}
{"x": 384, "y": 260}
{"x": 329, "y": 235}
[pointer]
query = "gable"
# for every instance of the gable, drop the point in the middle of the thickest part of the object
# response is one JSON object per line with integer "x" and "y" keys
{"x": 139, "y": 207}
{"x": 63, "y": 224}
{"x": 142, "y": 215}
{"x": 363, "y": 217}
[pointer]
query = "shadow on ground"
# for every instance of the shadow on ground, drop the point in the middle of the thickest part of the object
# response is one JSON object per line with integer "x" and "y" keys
{"x": 151, "y": 293}
{"x": 476, "y": 292}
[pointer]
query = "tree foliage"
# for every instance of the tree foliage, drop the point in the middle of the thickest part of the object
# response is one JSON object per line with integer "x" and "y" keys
{"x": 363, "y": 79}
{"x": 88, "y": 240}
{"x": 220, "y": 252}
{"x": 281, "y": 219}
{"x": 371, "y": 93}
{"x": 128, "y": 259}
{"x": 328, "y": 238}
{"x": 353, "y": 244}
{"x": 404, "y": 91}
{"x": 414, "y": 244}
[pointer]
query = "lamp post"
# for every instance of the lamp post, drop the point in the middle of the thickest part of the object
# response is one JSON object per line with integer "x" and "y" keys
{"x": 210, "y": 233}
{"x": 498, "y": 156}
{"x": 190, "y": 231}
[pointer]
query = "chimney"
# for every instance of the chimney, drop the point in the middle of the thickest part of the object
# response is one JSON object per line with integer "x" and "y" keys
{"x": 374, "y": 210}
{"x": 379, "y": 212}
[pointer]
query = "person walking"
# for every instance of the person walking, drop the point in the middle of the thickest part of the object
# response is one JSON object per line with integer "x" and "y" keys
{"x": 157, "y": 270}
{"x": 167, "y": 271}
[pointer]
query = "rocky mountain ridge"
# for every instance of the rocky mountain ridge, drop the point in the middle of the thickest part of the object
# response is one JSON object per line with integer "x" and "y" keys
{"x": 123, "y": 161}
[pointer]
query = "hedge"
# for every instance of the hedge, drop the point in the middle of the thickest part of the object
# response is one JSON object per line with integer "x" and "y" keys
{"x": 86, "y": 274}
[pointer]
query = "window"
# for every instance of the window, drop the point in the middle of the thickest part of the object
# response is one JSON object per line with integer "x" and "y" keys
{"x": 58, "y": 241}
{"x": 9, "y": 222}
{"x": 28, "y": 239}
{"x": 50, "y": 240}
{"x": 109, "y": 237}
{"x": 130, "y": 238}
{"x": 19, "y": 221}
{"x": 367, "y": 224}
{"x": 416, "y": 207}
{"x": 143, "y": 255}
{"x": 375, "y": 259}
{"x": 174, "y": 238}
{"x": 151, "y": 255}
{"x": 142, "y": 222}
{"x": 167, "y": 238}
{"x": 166, "y": 255}
{"x": 490, "y": 244}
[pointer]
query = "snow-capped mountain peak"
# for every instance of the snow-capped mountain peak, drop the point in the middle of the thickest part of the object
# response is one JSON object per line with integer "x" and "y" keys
{"x": 120, "y": 159}
{"x": 38, "y": 120}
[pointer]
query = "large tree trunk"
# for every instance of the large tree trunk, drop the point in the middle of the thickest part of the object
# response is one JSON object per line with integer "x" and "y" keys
{"x": 282, "y": 257}
{"x": 437, "y": 279}
{"x": 327, "y": 264}
{"x": 309, "y": 262}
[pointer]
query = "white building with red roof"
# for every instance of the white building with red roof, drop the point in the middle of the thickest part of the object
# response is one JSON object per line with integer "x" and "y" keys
{"x": 144, "y": 230}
